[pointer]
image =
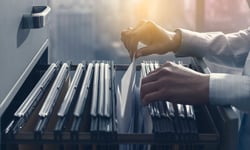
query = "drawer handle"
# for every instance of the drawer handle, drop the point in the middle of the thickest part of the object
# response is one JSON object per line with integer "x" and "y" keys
{"x": 37, "y": 19}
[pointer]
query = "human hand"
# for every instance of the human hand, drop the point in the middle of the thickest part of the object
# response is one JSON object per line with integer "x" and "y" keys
{"x": 157, "y": 39}
{"x": 175, "y": 83}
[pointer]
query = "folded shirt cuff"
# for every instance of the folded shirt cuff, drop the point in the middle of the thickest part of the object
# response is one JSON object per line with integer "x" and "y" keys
{"x": 227, "y": 89}
{"x": 192, "y": 44}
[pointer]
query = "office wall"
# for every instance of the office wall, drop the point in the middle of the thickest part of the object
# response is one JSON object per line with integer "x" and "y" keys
{"x": 90, "y": 29}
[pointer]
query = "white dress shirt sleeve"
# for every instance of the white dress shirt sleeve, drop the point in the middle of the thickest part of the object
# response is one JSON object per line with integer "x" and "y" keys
{"x": 226, "y": 49}
{"x": 227, "y": 89}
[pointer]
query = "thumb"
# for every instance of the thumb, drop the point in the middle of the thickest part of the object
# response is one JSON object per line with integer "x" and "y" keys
{"x": 148, "y": 50}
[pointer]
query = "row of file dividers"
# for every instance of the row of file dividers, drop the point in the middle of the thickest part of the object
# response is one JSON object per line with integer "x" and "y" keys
{"x": 93, "y": 117}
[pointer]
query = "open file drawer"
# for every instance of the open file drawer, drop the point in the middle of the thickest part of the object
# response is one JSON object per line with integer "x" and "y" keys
{"x": 83, "y": 136}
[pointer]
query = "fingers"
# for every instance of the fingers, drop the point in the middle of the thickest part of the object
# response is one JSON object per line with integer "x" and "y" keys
{"x": 148, "y": 50}
{"x": 150, "y": 87}
{"x": 157, "y": 39}
{"x": 151, "y": 77}
{"x": 131, "y": 36}
{"x": 155, "y": 86}
{"x": 175, "y": 83}
{"x": 130, "y": 41}
{"x": 151, "y": 92}
{"x": 132, "y": 45}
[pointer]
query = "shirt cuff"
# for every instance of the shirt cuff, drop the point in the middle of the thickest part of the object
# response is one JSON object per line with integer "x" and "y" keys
{"x": 227, "y": 89}
{"x": 192, "y": 44}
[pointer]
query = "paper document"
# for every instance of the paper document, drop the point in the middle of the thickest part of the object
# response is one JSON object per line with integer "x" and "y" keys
{"x": 125, "y": 99}
{"x": 128, "y": 84}
{"x": 126, "y": 95}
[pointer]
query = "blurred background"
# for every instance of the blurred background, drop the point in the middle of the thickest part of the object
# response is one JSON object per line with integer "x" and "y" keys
{"x": 90, "y": 29}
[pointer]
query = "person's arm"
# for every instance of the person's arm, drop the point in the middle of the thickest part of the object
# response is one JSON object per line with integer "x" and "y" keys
{"x": 227, "y": 49}
{"x": 179, "y": 84}
{"x": 228, "y": 89}
{"x": 223, "y": 89}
